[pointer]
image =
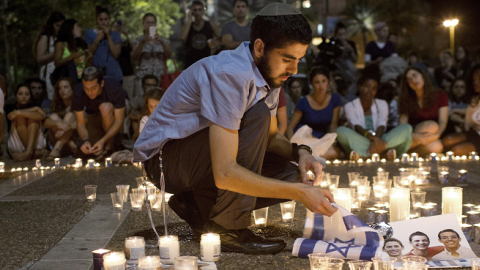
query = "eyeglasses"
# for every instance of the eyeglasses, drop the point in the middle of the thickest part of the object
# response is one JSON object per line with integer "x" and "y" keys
{"x": 448, "y": 237}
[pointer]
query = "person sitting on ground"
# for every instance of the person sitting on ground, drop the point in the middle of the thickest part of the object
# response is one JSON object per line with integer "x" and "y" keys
{"x": 138, "y": 104}
{"x": 318, "y": 110}
{"x": 99, "y": 106}
{"x": 425, "y": 109}
{"x": 152, "y": 98}
{"x": 71, "y": 47}
{"x": 45, "y": 46}
{"x": 105, "y": 45}
{"x": 457, "y": 105}
{"x": 26, "y": 140}
{"x": 367, "y": 117}
{"x": 388, "y": 93}
{"x": 381, "y": 48}
{"x": 462, "y": 62}
{"x": 293, "y": 95}
{"x": 61, "y": 123}
{"x": 446, "y": 73}
{"x": 3, "y": 93}
{"x": 465, "y": 142}
{"x": 39, "y": 93}
{"x": 237, "y": 31}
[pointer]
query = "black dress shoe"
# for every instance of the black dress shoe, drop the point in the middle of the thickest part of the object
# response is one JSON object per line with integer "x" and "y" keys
{"x": 245, "y": 241}
{"x": 184, "y": 205}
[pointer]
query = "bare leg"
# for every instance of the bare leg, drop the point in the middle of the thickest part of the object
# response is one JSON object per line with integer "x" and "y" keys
{"x": 463, "y": 149}
{"x": 33, "y": 128}
{"x": 21, "y": 125}
{"x": 430, "y": 127}
{"x": 106, "y": 110}
{"x": 332, "y": 153}
{"x": 451, "y": 140}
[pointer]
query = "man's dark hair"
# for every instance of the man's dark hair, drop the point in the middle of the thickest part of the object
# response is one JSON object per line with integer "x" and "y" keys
{"x": 448, "y": 230}
{"x": 280, "y": 31}
{"x": 417, "y": 233}
{"x": 149, "y": 77}
{"x": 29, "y": 82}
{"x": 392, "y": 240}
{"x": 198, "y": 3}
{"x": 338, "y": 26}
{"x": 99, "y": 10}
{"x": 244, "y": 1}
{"x": 92, "y": 73}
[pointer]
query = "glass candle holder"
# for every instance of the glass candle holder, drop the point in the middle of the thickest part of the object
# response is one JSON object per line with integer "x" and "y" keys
{"x": 473, "y": 217}
{"x": 91, "y": 164}
{"x": 151, "y": 192}
{"x": 452, "y": 201}
{"x": 91, "y": 192}
{"x": 136, "y": 199}
{"x": 169, "y": 249}
{"x": 433, "y": 158}
{"x": 413, "y": 261}
{"x": 462, "y": 176}
{"x": 157, "y": 205}
{"x": 356, "y": 204}
{"x": 260, "y": 216}
{"x": 288, "y": 211}
{"x": 117, "y": 201}
{"x": 98, "y": 258}
{"x": 375, "y": 158}
{"x": 325, "y": 181}
{"x": 38, "y": 163}
{"x": 475, "y": 263}
{"x": 443, "y": 177}
{"x": 332, "y": 264}
{"x": 317, "y": 260}
{"x": 149, "y": 263}
{"x": 123, "y": 189}
{"x": 399, "y": 204}
{"x": 468, "y": 207}
{"x": 134, "y": 248}
{"x": 418, "y": 198}
{"x": 79, "y": 162}
{"x": 186, "y": 263}
{"x": 352, "y": 178}
{"x": 414, "y": 157}
{"x": 405, "y": 158}
{"x": 114, "y": 261}
{"x": 360, "y": 265}
{"x": 334, "y": 180}
{"x": 384, "y": 263}
{"x": 108, "y": 162}
{"x": 210, "y": 247}
{"x": 343, "y": 197}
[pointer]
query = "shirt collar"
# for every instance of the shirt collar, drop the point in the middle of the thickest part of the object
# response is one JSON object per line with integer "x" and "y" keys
{"x": 259, "y": 80}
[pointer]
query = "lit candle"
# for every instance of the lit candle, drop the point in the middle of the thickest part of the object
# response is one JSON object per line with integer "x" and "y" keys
{"x": 369, "y": 161}
{"x": 405, "y": 158}
{"x": 134, "y": 248}
{"x": 414, "y": 157}
{"x": 360, "y": 160}
{"x": 336, "y": 162}
{"x": 25, "y": 169}
{"x": 114, "y": 261}
{"x": 343, "y": 197}
{"x": 383, "y": 160}
{"x": 169, "y": 248}
{"x": 380, "y": 170}
{"x": 34, "y": 168}
{"x": 477, "y": 158}
{"x": 399, "y": 204}
{"x": 310, "y": 175}
{"x": 42, "y": 168}
{"x": 457, "y": 158}
{"x": 91, "y": 198}
{"x": 462, "y": 176}
{"x": 260, "y": 221}
{"x": 2, "y": 165}
{"x": 449, "y": 156}
{"x": 420, "y": 159}
{"x": 91, "y": 164}
{"x": 375, "y": 158}
{"x": 79, "y": 163}
{"x": 98, "y": 258}
{"x": 288, "y": 210}
{"x": 328, "y": 162}
{"x": 464, "y": 157}
{"x": 396, "y": 160}
{"x": 210, "y": 247}
{"x": 149, "y": 263}
{"x": 443, "y": 178}
{"x": 452, "y": 201}
{"x": 433, "y": 157}
{"x": 108, "y": 162}
{"x": 13, "y": 170}
{"x": 38, "y": 163}
{"x": 287, "y": 216}
{"x": 57, "y": 162}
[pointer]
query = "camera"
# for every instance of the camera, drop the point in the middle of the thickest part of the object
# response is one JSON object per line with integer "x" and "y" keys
{"x": 329, "y": 50}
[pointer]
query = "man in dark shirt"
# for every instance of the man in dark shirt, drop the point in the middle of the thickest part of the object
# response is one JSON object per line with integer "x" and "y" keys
{"x": 38, "y": 88}
{"x": 103, "y": 100}
{"x": 238, "y": 30}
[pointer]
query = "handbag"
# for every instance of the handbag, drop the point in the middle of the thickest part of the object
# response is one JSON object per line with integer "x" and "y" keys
{"x": 167, "y": 79}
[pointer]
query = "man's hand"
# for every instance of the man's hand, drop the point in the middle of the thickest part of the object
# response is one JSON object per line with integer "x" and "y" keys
{"x": 308, "y": 162}
{"x": 97, "y": 147}
{"x": 318, "y": 200}
{"x": 86, "y": 148}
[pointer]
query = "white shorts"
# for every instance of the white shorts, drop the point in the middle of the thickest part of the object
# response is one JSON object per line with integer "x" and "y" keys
{"x": 15, "y": 145}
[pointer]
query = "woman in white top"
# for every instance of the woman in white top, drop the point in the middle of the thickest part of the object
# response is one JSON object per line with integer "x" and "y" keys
{"x": 152, "y": 97}
{"x": 468, "y": 141}
{"x": 367, "y": 117}
{"x": 45, "y": 47}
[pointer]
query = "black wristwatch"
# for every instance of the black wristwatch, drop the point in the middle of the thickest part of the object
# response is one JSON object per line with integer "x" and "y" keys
{"x": 295, "y": 149}
{"x": 84, "y": 141}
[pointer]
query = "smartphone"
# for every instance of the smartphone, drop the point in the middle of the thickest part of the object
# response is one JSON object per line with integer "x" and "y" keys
{"x": 152, "y": 31}
{"x": 119, "y": 22}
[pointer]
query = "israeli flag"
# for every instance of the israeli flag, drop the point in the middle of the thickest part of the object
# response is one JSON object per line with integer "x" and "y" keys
{"x": 343, "y": 235}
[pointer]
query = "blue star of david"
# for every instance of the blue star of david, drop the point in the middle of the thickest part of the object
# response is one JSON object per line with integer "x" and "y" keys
{"x": 342, "y": 250}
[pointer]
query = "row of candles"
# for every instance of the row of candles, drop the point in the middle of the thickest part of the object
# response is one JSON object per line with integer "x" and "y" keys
{"x": 413, "y": 157}
{"x": 169, "y": 254}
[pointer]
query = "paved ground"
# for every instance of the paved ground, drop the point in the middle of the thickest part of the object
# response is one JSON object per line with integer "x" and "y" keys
{"x": 46, "y": 223}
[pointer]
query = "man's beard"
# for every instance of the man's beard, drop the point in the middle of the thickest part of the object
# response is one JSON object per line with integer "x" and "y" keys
{"x": 266, "y": 72}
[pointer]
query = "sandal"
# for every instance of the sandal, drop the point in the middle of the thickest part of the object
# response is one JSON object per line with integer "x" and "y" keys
{"x": 53, "y": 155}
{"x": 354, "y": 155}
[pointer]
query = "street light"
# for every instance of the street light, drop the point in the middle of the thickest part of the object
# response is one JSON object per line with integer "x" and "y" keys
{"x": 451, "y": 24}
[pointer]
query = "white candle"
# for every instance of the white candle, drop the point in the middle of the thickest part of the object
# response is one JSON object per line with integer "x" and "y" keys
{"x": 360, "y": 160}
{"x": 399, "y": 204}
{"x": 108, "y": 162}
{"x": 38, "y": 163}
{"x": 210, "y": 247}
{"x": 149, "y": 263}
{"x": 169, "y": 249}
{"x": 452, "y": 201}
{"x": 310, "y": 175}
{"x": 287, "y": 216}
{"x": 13, "y": 169}
{"x": 260, "y": 221}
{"x": 114, "y": 261}
{"x": 57, "y": 162}
{"x": 91, "y": 164}
{"x": 396, "y": 160}
{"x": 25, "y": 169}
{"x": 78, "y": 163}
{"x": 91, "y": 198}
{"x": 343, "y": 197}
{"x": 375, "y": 157}
{"x": 134, "y": 248}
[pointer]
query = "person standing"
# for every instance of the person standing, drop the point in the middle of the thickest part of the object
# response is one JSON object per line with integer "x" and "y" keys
{"x": 105, "y": 45}
{"x": 238, "y": 30}
{"x": 45, "y": 47}
{"x": 200, "y": 35}
{"x": 381, "y": 48}
{"x": 217, "y": 124}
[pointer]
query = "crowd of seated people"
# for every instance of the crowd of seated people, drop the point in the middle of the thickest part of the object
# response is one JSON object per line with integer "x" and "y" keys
{"x": 96, "y": 88}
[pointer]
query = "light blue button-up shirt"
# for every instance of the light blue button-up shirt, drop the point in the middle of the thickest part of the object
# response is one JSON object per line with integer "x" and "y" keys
{"x": 218, "y": 89}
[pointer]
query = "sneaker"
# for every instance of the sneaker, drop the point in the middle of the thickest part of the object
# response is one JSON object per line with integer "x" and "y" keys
{"x": 245, "y": 241}
{"x": 184, "y": 205}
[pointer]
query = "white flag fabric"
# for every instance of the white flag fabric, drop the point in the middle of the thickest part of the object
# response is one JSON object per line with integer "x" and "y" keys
{"x": 343, "y": 235}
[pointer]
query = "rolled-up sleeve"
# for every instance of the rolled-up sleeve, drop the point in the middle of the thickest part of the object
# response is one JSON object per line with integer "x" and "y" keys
{"x": 224, "y": 100}
{"x": 382, "y": 114}
{"x": 351, "y": 115}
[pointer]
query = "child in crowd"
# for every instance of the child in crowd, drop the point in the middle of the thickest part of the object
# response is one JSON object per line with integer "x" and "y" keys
{"x": 152, "y": 98}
